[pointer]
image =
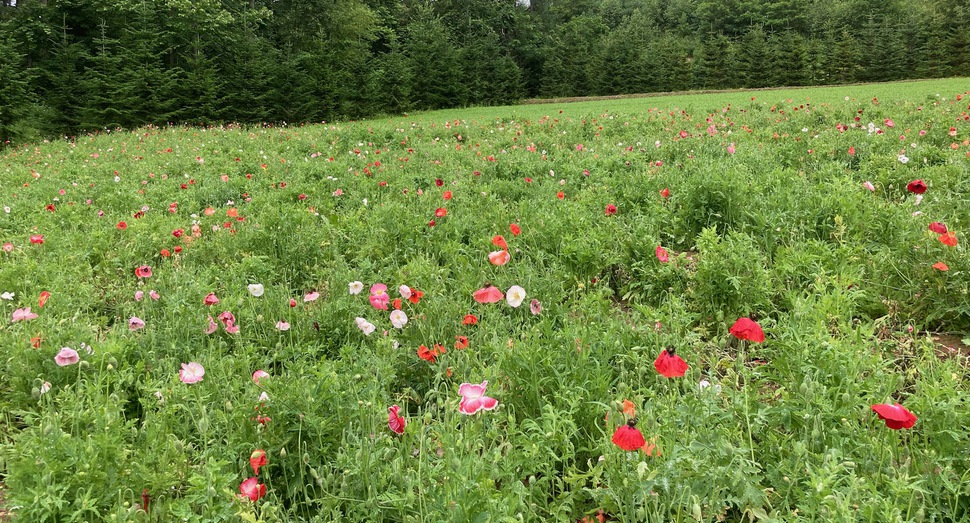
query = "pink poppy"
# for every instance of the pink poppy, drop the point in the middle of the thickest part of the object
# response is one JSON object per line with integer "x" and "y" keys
{"x": 473, "y": 398}
{"x": 252, "y": 489}
{"x": 153, "y": 295}
{"x": 227, "y": 318}
{"x": 210, "y": 299}
{"x": 282, "y": 326}
{"x": 394, "y": 421}
{"x": 37, "y": 239}
{"x": 662, "y": 254}
{"x": 212, "y": 326}
{"x": 896, "y": 416}
{"x": 405, "y": 291}
{"x": 311, "y": 296}
{"x": 8, "y": 247}
{"x": 232, "y": 329}
{"x": 67, "y": 356}
{"x": 868, "y": 186}
{"x": 535, "y": 306}
{"x": 379, "y": 298}
{"x": 23, "y": 315}
{"x": 139, "y": 295}
{"x": 135, "y": 323}
{"x": 398, "y": 319}
{"x": 191, "y": 372}
{"x": 143, "y": 272}
{"x": 258, "y": 375}
{"x": 938, "y": 228}
{"x": 367, "y": 327}
{"x": 489, "y": 294}
{"x": 499, "y": 258}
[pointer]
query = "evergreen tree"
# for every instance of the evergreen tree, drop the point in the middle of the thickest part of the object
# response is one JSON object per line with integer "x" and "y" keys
{"x": 755, "y": 58}
{"x": 14, "y": 95}
{"x": 434, "y": 61}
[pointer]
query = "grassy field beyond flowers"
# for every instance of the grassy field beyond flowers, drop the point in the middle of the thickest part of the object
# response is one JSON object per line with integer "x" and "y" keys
{"x": 736, "y": 306}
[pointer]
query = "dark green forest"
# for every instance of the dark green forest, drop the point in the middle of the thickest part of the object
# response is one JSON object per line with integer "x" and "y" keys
{"x": 82, "y": 65}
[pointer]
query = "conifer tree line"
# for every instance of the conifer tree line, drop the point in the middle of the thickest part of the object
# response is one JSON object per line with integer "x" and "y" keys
{"x": 72, "y": 65}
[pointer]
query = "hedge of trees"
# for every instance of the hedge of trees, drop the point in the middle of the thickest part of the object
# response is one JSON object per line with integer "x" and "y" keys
{"x": 73, "y": 65}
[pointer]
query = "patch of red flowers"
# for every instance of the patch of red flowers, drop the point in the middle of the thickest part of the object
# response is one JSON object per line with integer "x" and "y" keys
{"x": 431, "y": 355}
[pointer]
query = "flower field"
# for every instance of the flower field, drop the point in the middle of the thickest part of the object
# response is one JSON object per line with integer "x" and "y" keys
{"x": 738, "y": 306}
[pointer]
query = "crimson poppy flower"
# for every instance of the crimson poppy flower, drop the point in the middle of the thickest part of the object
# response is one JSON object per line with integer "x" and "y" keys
{"x": 896, "y": 416}
{"x": 446, "y": 195}
{"x": 916, "y": 187}
{"x": 143, "y": 272}
{"x": 37, "y": 239}
{"x": 489, "y": 294}
{"x": 949, "y": 239}
{"x": 121, "y": 226}
{"x": 165, "y": 253}
{"x": 440, "y": 212}
{"x": 669, "y": 364}
{"x": 561, "y": 195}
{"x": 516, "y": 230}
{"x": 665, "y": 192}
{"x": 747, "y": 329}
{"x": 252, "y": 489}
{"x": 430, "y": 355}
{"x": 257, "y": 459}
{"x": 50, "y": 207}
{"x": 178, "y": 233}
{"x": 145, "y": 499}
{"x": 938, "y": 228}
{"x": 431, "y": 223}
{"x": 940, "y": 266}
{"x": 628, "y": 437}
{"x": 394, "y": 421}
{"x": 396, "y": 304}
{"x": 499, "y": 242}
{"x": 610, "y": 210}
{"x": 469, "y": 319}
{"x": 439, "y": 182}
{"x": 461, "y": 342}
{"x": 415, "y": 297}
{"x": 177, "y": 249}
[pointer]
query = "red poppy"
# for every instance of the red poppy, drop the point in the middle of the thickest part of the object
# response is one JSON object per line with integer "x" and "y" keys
{"x": 949, "y": 239}
{"x": 177, "y": 249}
{"x": 916, "y": 187}
{"x": 394, "y": 421}
{"x": 143, "y": 272}
{"x": 896, "y": 416}
{"x": 145, "y": 499}
{"x": 252, "y": 489}
{"x": 489, "y": 294}
{"x": 440, "y": 212}
{"x": 628, "y": 437}
{"x": 516, "y": 230}
{"x": 610, "y": 210}
{"x": 431, "y": 223}
{"x": 37, "y": 239}
{"x": 439, "y": 182}
{"x": 940, "y": 266}
{"x": 560, "y": 195}
{"x": 499, "y": 257}
{"x": 446, "y": 195}
{"x": 415, "y": 296}
{"x": 292, "y": 303}
{"x": 747, "y": 329}
{"x": 50, "y": 207}
{"x": 121, "y": 226}
{"x": 257, "y": 459}
{"x": 469, "y": 319}
{"x": 396, "y": 304}
{"x": 165, "y": 253}
{"x": 35, "y": 342}
{"x": 44, "y": 295}
{"x": 461, "y": 342}
{"x": 178, "y": 233}
{"x": 665, "y": 193}
{"x": 232, "y": 212}
{"x": 669, "y": 364}
{"x": 629, "y": 409}
{"x": 499, "y": 242}
{"x": 430, "y": 355}
{"x": 938, "y": 228}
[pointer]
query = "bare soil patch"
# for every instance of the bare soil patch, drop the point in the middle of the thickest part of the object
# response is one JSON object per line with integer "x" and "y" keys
{"x": 951, "y": 346}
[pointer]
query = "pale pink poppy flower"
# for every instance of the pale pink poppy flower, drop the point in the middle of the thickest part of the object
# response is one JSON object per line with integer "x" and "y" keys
{"x": 153, "y": 295}
{"x": 473, "y": 398}
{"x": 258, "y": 375}
{"x": 45, "y": 387}
{"x": 311, "y": 296}
{"x": 210, "y": 299}
{"x": 191, "y": 372}
{"x": 263, "y": 397}
{"x": 212, "y": 326}
{"x": 282, "y": 326}
{"x": 232, "y": 328}
{"x": 23, "y": 314}
{"x": 405, "y": 291}
{"x": 8, "y": 247}
{"x": 67, "y": 356}
{"x": 730, "y": 148}
{"x": 365, "y": 326}
{"x": 499, "y": 258}
{"x": 515, "y": 295}
{"x": 398, "y": 319}
{"x": 139, "y": 295}
{"x": 356, "y": 287}
{"x": 868, "y": 185}
{"x": 135, "y": 323}
{"x": 227, "y": 318}
{"x": 535, "y": 306}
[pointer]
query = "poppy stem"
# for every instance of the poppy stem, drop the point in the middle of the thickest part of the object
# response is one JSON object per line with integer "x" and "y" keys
{"x": 744, "y": 379}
